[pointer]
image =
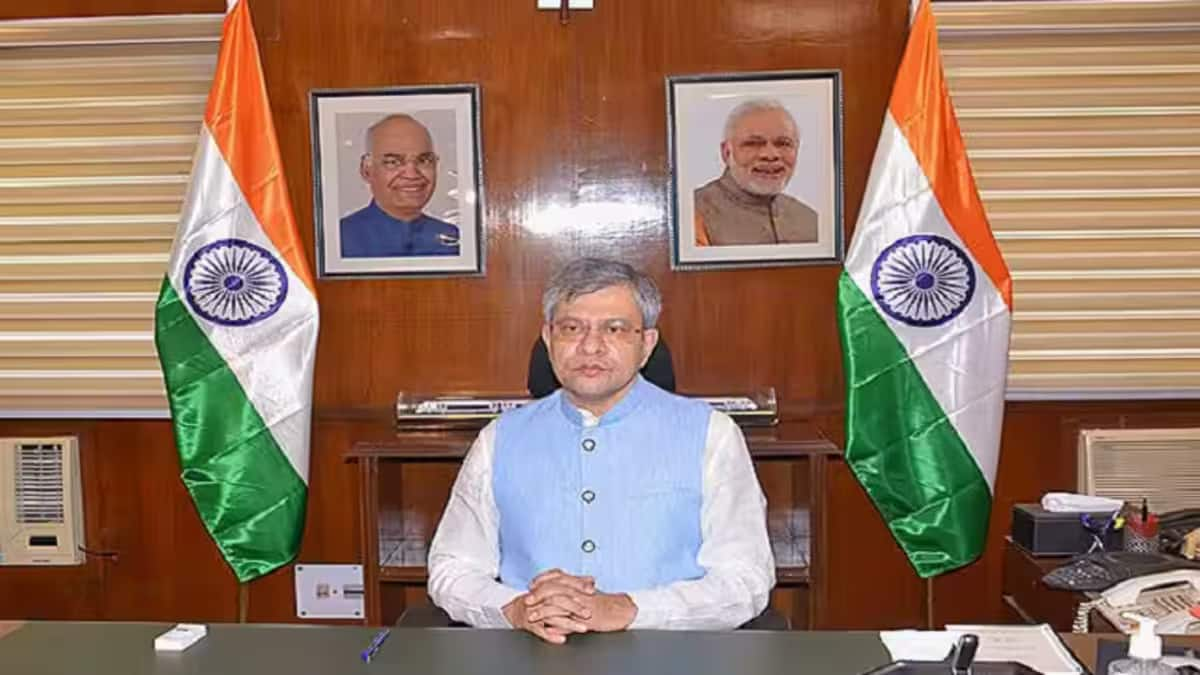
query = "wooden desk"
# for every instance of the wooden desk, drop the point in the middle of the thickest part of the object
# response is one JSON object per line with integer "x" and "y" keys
{"x": 1028, "y": 600}
{"x": 256, "y": 649}
{"x": 54, "y": 648}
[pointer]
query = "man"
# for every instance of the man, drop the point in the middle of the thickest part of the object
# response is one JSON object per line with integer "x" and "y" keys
{"x": 401, "y": 169}
{"x": 746, "y": 205}
{"x": 609, "y": 504}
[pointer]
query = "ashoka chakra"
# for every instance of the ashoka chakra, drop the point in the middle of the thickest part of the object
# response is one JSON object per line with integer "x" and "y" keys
{"x": 923, "y": 280}
{"x": 233, "y": 282}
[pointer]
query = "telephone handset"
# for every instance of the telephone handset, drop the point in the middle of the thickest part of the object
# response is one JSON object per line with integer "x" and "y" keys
{"x": 1170, "y": 598}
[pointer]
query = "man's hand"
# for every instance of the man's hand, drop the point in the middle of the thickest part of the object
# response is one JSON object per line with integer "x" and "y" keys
{"x": 556, "y": 594}
{"x": 610, "y": 612}
{"x": 553, "y": 629}
{"x": 553, "y": 607}
{"x": 558, "y": 601}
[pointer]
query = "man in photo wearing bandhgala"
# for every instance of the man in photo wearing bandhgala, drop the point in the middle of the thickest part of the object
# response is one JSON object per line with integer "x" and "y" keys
{"x": 401, "y": 168}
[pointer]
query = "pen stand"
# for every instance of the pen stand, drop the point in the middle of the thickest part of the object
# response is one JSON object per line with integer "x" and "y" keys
{"x": 960, "y": 661}
{"x": 1141, "y": 537}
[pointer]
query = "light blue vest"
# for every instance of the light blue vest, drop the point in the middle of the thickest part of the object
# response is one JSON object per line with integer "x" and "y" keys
{"x": 619, "y": 501}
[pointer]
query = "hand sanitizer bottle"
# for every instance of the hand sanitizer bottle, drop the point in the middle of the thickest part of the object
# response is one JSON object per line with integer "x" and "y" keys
{"x": 1145, "y": 653}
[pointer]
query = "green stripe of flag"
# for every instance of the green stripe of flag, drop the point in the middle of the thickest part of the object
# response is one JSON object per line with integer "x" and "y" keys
{"x": 914, "y": 465}
{"x": 248, "y": 494}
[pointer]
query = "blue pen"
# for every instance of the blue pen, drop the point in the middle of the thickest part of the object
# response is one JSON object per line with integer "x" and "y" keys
{"x": 376, "y": 643}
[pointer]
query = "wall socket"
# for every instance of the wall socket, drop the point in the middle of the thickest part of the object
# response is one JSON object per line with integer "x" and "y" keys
{"x": 573, "y": 4}
{"x": 329, "y": 592}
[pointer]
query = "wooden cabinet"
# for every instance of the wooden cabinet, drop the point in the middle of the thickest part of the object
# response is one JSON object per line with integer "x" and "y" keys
{"x": 1028, "y": 600}
{"x": 404, "y": 483}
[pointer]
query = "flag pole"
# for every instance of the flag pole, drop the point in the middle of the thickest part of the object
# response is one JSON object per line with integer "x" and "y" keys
{"x": 929, "y": 604}
{"x": 243, "y": 601}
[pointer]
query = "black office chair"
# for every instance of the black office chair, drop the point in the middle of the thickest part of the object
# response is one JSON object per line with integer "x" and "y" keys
{"x": 431, "y": 616}
{"x": 542, "y": 382}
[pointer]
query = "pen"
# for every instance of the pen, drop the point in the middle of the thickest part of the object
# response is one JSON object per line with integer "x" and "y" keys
{"x": 376, "y": 643}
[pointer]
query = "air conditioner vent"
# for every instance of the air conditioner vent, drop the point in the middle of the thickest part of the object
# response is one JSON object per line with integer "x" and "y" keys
{"x": 39, "y": 483}
{"x": 1160, "y": 465}
{"x": 41, "y": 502}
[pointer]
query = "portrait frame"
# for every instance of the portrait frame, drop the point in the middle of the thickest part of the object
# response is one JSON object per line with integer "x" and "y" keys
{"x": 698, "y": 107}
{"x": 346, "y": 247}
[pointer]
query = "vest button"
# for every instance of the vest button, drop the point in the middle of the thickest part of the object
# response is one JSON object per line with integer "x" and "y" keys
{"x": 588, "y": 546}
{"x": 588, "y": 496}
{"x": 589, "y": 445}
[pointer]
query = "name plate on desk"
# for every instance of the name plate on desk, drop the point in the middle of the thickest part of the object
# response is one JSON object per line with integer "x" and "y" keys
{"x": 416, "y": 411}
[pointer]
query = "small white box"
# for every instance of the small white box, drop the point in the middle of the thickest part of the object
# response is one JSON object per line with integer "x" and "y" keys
{"x": 180, "y": 637}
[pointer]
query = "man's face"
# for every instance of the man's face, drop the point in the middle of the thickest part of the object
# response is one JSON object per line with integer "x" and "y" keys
{"x": 597, "y": 345}
{"x": 761, "y": 155}
{"x": 401, "y": 168}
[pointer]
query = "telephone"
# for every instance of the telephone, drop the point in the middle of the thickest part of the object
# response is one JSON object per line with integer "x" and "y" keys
{"x": 1104, "y": 569}
{"x": 1170, "y": 598}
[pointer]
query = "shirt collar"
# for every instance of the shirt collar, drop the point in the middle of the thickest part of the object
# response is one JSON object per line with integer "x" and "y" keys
{"x": 733, "y": 191}
{"x": 378, "y": 211}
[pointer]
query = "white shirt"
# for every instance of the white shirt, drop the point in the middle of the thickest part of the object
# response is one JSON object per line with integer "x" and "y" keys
{"x": 464, "y": 558}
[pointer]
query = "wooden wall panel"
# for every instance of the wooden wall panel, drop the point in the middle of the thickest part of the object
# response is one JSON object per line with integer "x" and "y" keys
{"x": 151, "y": 558}
{"x": 331, "y": 527}
{"x": 166, "y": 565}
{"x": 870, "y": 583}
{"x": 575, "y": 163}
{"x": 155, "y": 561}
{"x": 455, "y": 333}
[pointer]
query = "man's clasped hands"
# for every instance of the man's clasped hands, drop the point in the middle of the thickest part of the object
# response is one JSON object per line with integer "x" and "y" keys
{"x": 559, "y": 604}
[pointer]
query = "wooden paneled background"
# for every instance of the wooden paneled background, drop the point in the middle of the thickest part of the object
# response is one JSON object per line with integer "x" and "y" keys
{"x": 574, "y": 163}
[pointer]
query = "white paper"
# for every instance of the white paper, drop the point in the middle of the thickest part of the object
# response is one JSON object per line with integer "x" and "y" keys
{"x": 180, "y": 637}
{"x": 918, "y": 645}
{"x": 1036, "y": 646}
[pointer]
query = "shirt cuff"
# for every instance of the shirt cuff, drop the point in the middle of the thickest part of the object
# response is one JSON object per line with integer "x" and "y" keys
{"x": 650, "y": 614}
{"x": 492, "y": 607}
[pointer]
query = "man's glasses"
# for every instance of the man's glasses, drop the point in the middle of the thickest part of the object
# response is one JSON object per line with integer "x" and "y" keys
{"x": 612, "y": 330}
{"x": 424, "y": 161}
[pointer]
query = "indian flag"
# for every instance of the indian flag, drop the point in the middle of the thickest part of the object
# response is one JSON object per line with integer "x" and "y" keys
{"x": 236, "y": 324}
{"x": 924, "y": 307}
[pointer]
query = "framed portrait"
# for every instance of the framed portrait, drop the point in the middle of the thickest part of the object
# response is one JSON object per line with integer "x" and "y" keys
{"x": 756, "y": 169}
{"x": 398, "y": 181}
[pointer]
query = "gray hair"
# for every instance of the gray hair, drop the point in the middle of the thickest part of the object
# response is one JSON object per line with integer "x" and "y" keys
{"x": 752, "y": 106}
{"x": 588, "y": 275}
{"x": 370, "y": 133}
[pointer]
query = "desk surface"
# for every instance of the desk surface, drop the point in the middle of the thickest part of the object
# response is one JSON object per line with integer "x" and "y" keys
{"x": 127, "y": 649}
{"x": 54, "y": 648}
